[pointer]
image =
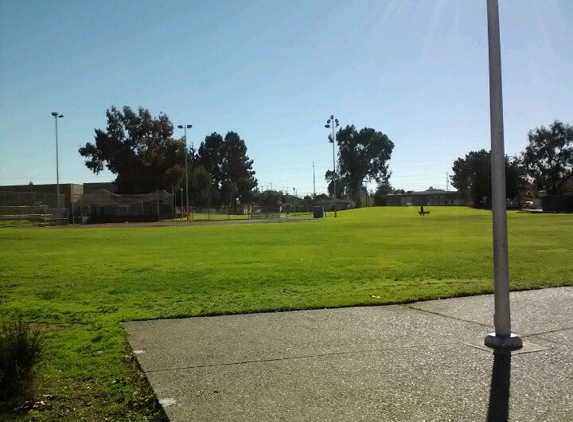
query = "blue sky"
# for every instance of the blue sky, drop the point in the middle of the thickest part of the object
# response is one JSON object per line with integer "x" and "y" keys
{"x": 274, "y": 71}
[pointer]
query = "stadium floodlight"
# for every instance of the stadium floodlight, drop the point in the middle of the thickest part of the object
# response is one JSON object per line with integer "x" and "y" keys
{"x": 333, "y": 123}
{"x": 185, "y": 127}
{"x": 56, "y": 117}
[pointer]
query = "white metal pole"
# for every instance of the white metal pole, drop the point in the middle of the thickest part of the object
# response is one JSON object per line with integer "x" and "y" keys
{"x": 502, "y": 338}
{"x": 313, "y": 182}
{"x": 334, "y": 165}
{"x": 332, "y": 123}
{"x": 184, "y": 127}
{"x": 286, "y": 203}
{"x": 294, "y": 202}
{"x": 57, "y": 168}
{"x": 186, "y": 174}
{"x": 56, "y": 117}
{"x": 193, "y": 211}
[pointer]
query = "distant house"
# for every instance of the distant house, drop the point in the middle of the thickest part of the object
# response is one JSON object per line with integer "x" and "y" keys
{"x": 71, "y": 192}
{"x": 328, "y": 204}
{"x": 291, "y": 200}
{"x": 566, "y": 186}
{"x": 429, "y": 197}
{"x": 92, "y": 187}
{"x": 562, "y": 202}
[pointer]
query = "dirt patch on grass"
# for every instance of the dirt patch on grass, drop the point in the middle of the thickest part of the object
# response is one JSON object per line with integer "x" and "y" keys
{"x": 181, "y": 223}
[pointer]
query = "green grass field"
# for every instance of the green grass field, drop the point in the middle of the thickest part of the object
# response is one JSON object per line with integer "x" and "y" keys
{"x": 79, "y": 284}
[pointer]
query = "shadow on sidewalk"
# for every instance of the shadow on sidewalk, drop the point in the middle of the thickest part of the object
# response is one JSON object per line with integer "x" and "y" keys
{"x": 498, "y": 410}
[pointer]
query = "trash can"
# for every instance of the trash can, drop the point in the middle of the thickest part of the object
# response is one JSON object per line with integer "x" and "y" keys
{"x": 318, "y": 212}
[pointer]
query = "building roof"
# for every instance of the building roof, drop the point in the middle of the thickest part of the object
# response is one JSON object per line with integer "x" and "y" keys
{"x": 430, "y": 191}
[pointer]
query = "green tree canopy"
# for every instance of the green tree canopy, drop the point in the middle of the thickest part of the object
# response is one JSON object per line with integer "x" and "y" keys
{"x": 200, "y": 185}
{"x": 237, "y": 169}
{"x": 231, "y": 171}
{"x": 472, "y": 175}
{"x": 269, "y": 198}
{"x": 384, "y": 188}
{"x": 138, "y": 149}
{"x": 210, "y": 156}
{"x": 331, "y": 178}
{"x": 362, "y": 155}
{"x": 548, "y": 157}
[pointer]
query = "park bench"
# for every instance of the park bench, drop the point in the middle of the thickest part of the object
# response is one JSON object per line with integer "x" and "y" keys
{"x": 423, "y": 212}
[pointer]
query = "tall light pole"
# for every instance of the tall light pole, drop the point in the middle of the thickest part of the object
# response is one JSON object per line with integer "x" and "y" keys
{"x": 185, "y": 127}
{"x": 503, "y": 337}
{"x": 313, "y": 182}
{"x": 294, "y": 201}
{"x": 56, "y": 117}
{"x": 333, "y": 123}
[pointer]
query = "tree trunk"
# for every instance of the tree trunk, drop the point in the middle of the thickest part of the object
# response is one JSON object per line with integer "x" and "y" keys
{"x": 357, "y": 195}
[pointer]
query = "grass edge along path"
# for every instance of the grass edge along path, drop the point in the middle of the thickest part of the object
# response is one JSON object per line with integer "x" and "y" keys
{"x": 78, "y": 285}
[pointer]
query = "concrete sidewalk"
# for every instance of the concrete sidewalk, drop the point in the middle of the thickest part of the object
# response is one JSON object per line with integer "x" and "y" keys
{"x": 422, "y": 361}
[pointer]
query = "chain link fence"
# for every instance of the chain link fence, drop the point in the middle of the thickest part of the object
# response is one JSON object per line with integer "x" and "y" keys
{"x": 247, "y": 212}
{"x": 36, "y": 208}
{"x": 102, "y": 206}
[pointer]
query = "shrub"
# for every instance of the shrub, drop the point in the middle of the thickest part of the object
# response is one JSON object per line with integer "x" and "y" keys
{"x": 20, "y": 350}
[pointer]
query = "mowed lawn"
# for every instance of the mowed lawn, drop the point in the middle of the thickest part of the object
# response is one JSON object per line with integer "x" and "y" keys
{"x": 79, "y": 284}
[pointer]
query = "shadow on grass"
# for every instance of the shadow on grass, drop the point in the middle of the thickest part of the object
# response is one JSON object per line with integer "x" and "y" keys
{"x": 21, "y": 349}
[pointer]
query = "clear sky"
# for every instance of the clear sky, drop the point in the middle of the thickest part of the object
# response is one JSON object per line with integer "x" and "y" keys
{"x": 274, "y": 71}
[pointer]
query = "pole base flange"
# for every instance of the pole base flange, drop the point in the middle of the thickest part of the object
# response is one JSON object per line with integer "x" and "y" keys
{"x": 511, "y": 342}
